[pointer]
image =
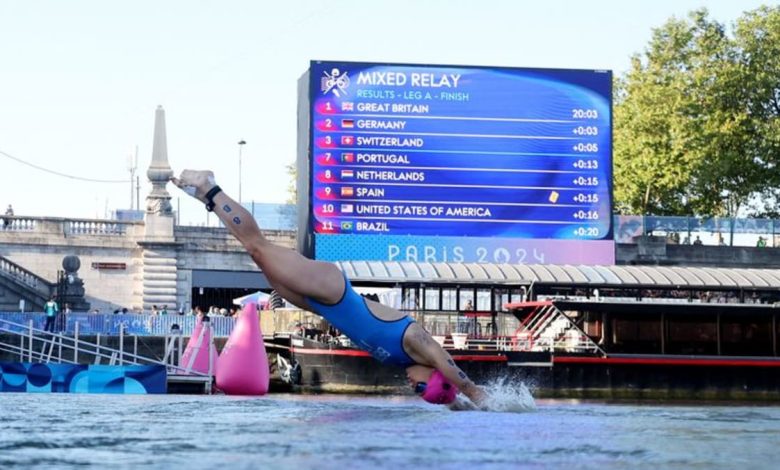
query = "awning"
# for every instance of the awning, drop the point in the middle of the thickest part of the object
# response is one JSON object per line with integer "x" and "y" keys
{"x": 646, "y": 277}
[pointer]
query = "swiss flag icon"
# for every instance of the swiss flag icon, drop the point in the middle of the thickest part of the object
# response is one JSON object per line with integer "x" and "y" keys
{"x": 347, "y": 140}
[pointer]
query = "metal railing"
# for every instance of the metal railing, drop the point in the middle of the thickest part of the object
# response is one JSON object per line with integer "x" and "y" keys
{"x": 710, "y": 231}
{"x": 62, "y": 226}
{"x": 550, "y": 329}
{"x": 23, "y": 276}
{"x": 36, "y": 345}
{"x": 112, "y": 324}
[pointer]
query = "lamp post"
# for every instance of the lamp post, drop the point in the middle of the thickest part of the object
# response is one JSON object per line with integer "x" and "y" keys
{"x": 241, "y": 144}
{"x": 132, "y": 166}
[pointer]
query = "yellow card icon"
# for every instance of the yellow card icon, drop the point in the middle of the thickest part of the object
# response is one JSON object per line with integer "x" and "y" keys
{"x": 554, "y": 197}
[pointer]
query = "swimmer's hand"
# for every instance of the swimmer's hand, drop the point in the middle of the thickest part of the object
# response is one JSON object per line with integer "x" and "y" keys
{"x": 195, "y": 183}
{"x": 476, "y": 394}
{"x": 462, "y": 403}
{"x": 476, "y": 400}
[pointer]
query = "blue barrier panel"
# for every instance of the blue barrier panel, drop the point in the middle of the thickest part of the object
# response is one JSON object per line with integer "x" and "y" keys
{"x": 108, "y": 324}
{"x": 82, "y": 378}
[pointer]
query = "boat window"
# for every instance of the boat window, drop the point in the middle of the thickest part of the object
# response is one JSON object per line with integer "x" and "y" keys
{"x": 431, "y": 298}
{"x": 693, "y": 335}
{"x": 483, "y": 300}
{"x": 410, "y": 299}
{"x": 501, "y": 298}
{"x": 466, "y": 300}
{"x": 746, "y": 335}
{"x": 449, "y": 299}
{"x": 518, "y": 295}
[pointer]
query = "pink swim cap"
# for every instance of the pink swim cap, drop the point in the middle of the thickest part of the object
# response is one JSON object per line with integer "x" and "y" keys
{"x": 439, "y": 390}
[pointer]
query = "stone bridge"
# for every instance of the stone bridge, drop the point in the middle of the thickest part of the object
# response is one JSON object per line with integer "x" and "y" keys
{"x": 122, "y": 265}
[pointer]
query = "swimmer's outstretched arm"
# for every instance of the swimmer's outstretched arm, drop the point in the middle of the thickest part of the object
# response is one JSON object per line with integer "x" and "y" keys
{"x": 291, "y": 274}
{"x": 425, "y": 350}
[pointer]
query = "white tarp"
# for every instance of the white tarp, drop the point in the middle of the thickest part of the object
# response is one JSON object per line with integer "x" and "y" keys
{"x": 259, "y": 297}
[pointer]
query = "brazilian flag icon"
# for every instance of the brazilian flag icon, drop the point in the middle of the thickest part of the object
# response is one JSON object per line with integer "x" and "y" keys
{"x": 346, "y": 226}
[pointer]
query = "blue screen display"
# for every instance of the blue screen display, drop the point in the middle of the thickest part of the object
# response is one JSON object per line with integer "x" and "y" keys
{"x": 417, "y": 157}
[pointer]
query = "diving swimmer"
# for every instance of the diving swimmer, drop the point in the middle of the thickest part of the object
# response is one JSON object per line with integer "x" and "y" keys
{"x": 392, "y": 337}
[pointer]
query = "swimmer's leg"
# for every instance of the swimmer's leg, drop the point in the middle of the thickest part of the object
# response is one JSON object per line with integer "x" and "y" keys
{"x": 290, "y": 273}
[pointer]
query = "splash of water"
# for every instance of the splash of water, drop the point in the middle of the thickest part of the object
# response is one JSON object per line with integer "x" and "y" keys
{"x": 508, "y": 395}
{"x": 504, "y": 395}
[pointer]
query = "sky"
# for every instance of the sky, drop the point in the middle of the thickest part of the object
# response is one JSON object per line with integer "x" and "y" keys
{"x": 80, "y": 80}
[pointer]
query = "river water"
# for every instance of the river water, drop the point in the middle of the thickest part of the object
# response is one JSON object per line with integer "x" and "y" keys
{"x": 355, "y": 432}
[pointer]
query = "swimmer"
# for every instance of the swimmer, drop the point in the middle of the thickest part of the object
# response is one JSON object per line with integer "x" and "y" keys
{"x": 392, "y": 337}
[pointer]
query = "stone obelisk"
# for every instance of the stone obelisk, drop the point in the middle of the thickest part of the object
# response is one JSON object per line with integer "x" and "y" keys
{"x": 158, "y": 202}
{"x": 159, "y": 245}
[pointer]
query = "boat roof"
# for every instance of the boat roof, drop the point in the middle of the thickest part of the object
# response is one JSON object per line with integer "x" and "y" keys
{"x": 645, "y": 277}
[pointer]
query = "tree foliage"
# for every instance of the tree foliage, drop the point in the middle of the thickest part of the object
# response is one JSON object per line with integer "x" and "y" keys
{"x": 292, "y": 188}
{"x": 696, "y": 119}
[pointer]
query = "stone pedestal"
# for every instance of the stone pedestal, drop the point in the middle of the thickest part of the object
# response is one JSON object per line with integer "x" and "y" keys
{"x": 72, "y": 287}
{"x": 160, "y": 275}
{"x": 159, "y": 228}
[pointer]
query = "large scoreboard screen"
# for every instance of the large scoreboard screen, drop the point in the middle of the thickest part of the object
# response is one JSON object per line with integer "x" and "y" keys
{"x": 452, "y": 163}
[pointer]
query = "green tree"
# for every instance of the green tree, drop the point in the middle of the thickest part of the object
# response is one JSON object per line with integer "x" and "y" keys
{"x": 292, "y": 189}
{"x": 687, "y": 138}
{"x": 757, "y": 38}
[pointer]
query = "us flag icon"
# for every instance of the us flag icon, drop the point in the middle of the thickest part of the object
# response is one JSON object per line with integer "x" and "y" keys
{"x": 347, "y": 191}
{"x": 347, "y": 123}
{"x": 347, "y": 174}
{"x": 347, "y": 208}
{"x": 347, "y": 140}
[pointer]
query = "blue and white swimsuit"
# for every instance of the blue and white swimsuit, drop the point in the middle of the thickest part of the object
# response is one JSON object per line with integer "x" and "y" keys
{"x": 382, "y": 338}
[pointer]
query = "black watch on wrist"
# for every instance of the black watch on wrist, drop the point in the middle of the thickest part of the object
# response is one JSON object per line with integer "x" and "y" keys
{"x": 210, "y": 198}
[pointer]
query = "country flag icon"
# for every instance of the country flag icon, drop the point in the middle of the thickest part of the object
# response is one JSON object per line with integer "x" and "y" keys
{"x": 347, "y": 208}
{"x": 347, "y": 140}
{"x": 347, "y": 123}
{"x": 347, "y": 157}
{"x": 347, "y": 174}
{"x": 347, "y": 106}
{"x": 554, "y": 197}
{"x": 347, "y": 191}
{"x": 346, "y": 226}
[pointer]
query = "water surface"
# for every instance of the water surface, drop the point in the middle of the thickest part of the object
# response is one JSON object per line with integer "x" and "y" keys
{"x": 329, "y": 432}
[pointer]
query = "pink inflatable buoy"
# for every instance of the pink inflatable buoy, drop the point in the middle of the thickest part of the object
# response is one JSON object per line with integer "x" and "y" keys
{"x": 196, "y": 355}
{"x": 242, "y": 368}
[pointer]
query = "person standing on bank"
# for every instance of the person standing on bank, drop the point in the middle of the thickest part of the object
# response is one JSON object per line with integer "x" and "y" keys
{"x": 9, "y": 212}
{"x": 51, "y": 309}
{"x": 392, "y": 337}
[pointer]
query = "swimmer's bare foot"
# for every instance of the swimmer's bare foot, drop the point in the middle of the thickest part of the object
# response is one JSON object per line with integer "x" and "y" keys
{"x": 195, "y": 183}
